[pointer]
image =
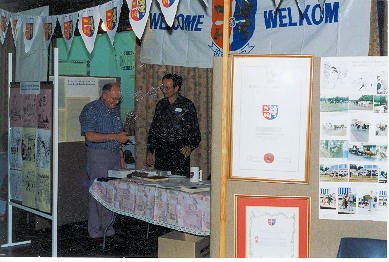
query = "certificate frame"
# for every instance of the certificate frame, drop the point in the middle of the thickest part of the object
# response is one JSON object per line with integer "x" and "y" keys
{"x": 266, "y": 204}
{"x": 287, "y": 88}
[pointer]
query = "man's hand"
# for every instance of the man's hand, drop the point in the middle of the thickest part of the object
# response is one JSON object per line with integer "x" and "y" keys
{"x": 186, "y": 151}
{"x": 149, "y": 159}
{"x": 122, "y": 137}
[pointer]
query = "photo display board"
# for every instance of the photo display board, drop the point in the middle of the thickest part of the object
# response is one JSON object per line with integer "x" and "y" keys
{"x": 353, "y": 138}
{"x": 30, "y": 145}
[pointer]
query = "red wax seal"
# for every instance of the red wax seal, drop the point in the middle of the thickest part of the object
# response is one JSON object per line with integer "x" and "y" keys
{"x": 269, "y": 158}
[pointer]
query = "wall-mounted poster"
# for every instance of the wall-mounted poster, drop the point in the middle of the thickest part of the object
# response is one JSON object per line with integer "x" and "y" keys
{"x": 271, "y": 111}
{"x": 272, "y": 226}
{"x": 73, "y": 94}
{"x": 353, "y": 138}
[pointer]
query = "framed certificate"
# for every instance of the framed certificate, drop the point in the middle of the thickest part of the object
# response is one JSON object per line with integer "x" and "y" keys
{"x": 272, "y": 226}
{"x": 270, "y": 118}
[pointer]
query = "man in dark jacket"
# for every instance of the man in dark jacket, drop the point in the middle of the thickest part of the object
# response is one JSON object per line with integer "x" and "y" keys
{"x": 174, "y": 131}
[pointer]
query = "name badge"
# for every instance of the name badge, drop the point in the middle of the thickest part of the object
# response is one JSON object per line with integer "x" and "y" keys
{"x": 178, "y": 110}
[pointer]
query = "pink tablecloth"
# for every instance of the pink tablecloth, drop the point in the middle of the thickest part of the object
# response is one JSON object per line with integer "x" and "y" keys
{"x": 170, "y": 208}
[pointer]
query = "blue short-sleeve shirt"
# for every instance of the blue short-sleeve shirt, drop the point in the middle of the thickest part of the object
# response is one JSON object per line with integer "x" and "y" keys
{"x": 96, "y": 117}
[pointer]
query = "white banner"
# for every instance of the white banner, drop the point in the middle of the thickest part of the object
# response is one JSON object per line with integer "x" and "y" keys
{"x": 30, "y": 29}
{"x": 88, "y": 26}
{"x": 49, "y": 23}
{"x": 186, "y": 44}
{"x": 4, "y": 19}
{"x": 68, "y": 25}
{"x": 139, "y": 13}
{"x": 169, "y": 10}
{"x": 324, "y": 28}
{"x": 16, "y": 22}
{"x": 110, "y": 14}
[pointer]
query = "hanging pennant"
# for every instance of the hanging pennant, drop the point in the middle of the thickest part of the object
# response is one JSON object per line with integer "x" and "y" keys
{"x": 88, "y": 26}
{"x": 68, "y": 25}
{"x": 30, "y": 28}
{"x": 110, "y": 13}
{"x": 16, "y": 22}
{"x": 169, "y": 10}
{"x": 49, "y": 23}
{"x": 4, "y": 19}
{"x": 139, "y": 13}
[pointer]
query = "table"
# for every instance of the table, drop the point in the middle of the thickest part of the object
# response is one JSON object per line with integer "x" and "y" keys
{"x": 157, "y": 203}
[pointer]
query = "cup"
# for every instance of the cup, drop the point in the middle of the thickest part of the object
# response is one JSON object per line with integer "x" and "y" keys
{"x": 196, "y": 174}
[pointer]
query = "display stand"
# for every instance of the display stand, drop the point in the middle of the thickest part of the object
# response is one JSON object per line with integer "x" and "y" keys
{"x": 54, "y": 216}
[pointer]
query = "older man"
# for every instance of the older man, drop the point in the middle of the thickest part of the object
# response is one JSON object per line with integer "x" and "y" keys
{"x": 103, "y": 130}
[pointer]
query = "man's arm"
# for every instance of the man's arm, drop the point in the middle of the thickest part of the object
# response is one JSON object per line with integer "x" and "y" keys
{"x": 151, "y": 137}
{"x": 194, "y": 136}
{"x": 121, "y": 137}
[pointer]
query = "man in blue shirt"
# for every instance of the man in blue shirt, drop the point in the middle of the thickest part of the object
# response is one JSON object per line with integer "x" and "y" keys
{"x": 103, "y": 130}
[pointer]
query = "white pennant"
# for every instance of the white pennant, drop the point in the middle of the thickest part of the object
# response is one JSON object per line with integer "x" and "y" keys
{"x": 4, "y": 19}
{"x": 301, "y": 5}
{"x": 169, "y": 10}
{"x": 88, "y": 25}
{"x": 16, "y": 22}
{"x": 110, "y": 13}
{"x": 68, "y": 25}
{"x": 48, "y": 23}
{"x": 30, "y": 28}
{"x": 139, "y": 13}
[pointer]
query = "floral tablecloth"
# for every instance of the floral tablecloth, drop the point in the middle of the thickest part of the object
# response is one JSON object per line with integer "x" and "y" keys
{"x": 157, "y": 205}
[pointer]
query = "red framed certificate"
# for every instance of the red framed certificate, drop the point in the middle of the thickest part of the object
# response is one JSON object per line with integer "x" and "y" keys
{"x": 272, "y": 226}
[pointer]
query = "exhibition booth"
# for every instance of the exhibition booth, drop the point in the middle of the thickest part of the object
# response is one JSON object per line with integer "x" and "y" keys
{"x": 291, "y": 107}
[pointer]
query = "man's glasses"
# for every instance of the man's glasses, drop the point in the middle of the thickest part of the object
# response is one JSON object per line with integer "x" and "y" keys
{"x": 163, "y": 87}
{"x": 118, "y": 99}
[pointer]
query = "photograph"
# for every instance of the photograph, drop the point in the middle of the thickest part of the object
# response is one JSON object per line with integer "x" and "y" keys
{"x": 362, "y": 152}
{"x": 381, "y": 128}
{"x": 334, "y": 172}
{"x": 333, "y": 149}
{"x": 365, "y": 83}
{"x": 363, "y": 173}
{"x": 327, "y": 199}
{"x": 382, "y": 152}
{"x": 359, "y": 130}
{"x": 333, "y": 128}
{"x": 333, "y": 104}
{"x": 382, "y": 84}
{"x": 383, "y": 175}
{"x": 367, "y": 202}
{"x": 364, "y": 103}
{"x": 346, "y": 201}
{"x": 383, "y": 198}
{"x": 380, "y": 104}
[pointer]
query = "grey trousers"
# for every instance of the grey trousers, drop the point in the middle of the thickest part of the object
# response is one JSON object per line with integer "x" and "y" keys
{"x": 98, "y": 162}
